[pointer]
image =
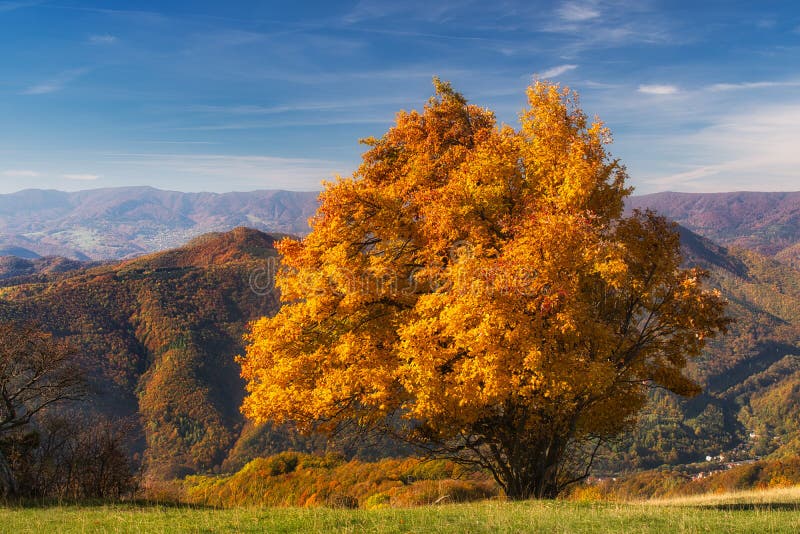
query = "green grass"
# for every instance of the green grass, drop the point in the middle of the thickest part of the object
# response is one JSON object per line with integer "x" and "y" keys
{"x": 774, "y": 511}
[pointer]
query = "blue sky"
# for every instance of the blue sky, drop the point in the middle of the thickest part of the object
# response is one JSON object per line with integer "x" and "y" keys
{"x": 221, "y": 96}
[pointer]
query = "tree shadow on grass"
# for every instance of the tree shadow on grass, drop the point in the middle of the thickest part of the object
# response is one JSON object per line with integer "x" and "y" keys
{"x": 754, "y": 507}
{"x": 88, "y": 503}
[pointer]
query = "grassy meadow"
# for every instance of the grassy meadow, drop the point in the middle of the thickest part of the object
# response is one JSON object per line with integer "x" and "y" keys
{"x": 758, "y": 511}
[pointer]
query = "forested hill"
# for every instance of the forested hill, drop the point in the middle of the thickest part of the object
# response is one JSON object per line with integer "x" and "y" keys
{"x": 158, "y": 336}
{"x": 751, "y": 376}
{"x": 114, "y": 223}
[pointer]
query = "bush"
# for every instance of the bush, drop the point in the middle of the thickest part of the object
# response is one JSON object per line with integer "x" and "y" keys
{"x": 342, "y": 501}
{"x": 379, "y": 500}
{"x": 586, "y": 493}
{"x": 72, "y": 456}
{"x": 296, "y": 479}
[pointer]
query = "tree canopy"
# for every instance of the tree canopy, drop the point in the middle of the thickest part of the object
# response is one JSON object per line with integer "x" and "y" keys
{"x": 476, "y": 289}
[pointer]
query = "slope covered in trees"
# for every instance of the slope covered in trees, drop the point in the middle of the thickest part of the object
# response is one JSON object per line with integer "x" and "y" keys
{"x": 158, "y": 335}
{"x": 750, "y": 377}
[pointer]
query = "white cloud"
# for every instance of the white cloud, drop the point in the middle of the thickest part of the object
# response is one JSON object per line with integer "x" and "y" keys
{"x": 43, "y": 89}
{"x": 367, "y": 10}
{"x": 258, "y": 172}
{"x": 332, "y": 105}
{"x": 106, "y": 38}
{"x": 750, "y": 85}
{"x": 55, "y": 84}
{"x": 383, "y": 120}
{"x": 681, "y": 181}
{"x": 752, "y": 150}
{"x": 556, "y": 71}
{"x": 578, "y": 12}
{"x": 82, "y": 177}
{"x": 657, "y": 89}
{"x": 600, "y": 24}
{"x": 20, "y": 173}
{"x": 11, "y": 6}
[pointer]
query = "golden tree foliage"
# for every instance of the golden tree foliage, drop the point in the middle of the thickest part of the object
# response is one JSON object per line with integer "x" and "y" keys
{"x": 480, "y": 284}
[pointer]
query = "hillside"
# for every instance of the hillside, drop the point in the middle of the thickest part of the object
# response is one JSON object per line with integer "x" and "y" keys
{"x": 12, "y": 266}
{"x": 121, "y": 222}
{"x": 768, "y": 223}
{"x": 750, "y": 377}
{"x": 158, "y": 335}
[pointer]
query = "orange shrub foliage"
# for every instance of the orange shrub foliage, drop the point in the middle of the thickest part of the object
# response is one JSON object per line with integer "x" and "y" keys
{"x": 295, "y": 479}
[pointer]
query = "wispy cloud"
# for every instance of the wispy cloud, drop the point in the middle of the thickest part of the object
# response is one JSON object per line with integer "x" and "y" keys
{"x": 751, "y": 85}
{"x": 599, "y": 85}
{"x": 344, "y": 76}
{"x": 20, "y": 173}
{"x": 593, "y": 24}
{"x": 686, "y": 180}
{"x": 224, "y": 39}
{"x": 752, "y": 150}
{"x": 556, "y": 71}
{"x": 333, "y": 105}
{"x": 103, "y": 39}
{"x": 11, "y": 6}
{"x": 370, "y": 10}
{"x": 298, "y": 174}
{"x": 161, "y": 142}
{"x": 657, "y": 89}
{"x": 422, "y": 35}
{"x": 578, "y": 11}
{"x": 331, "y": 121}
{"x": 82, "y": 177}
{"x": 56, "y": 83}
{"x": 132, "y": 15}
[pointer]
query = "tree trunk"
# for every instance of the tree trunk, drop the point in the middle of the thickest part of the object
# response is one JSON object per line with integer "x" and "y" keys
{"x": 8, "y": 483}
{"x": 533, "y": 486}
{"x": 533, "y": 473}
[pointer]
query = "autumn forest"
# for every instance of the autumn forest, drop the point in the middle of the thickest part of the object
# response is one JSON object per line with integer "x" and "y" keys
{"x": 478, "y": 312}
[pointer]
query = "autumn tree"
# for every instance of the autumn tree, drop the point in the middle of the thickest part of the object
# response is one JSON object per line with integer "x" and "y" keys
{"x": 36, "y": 372}
{"x": 477, "y": 290}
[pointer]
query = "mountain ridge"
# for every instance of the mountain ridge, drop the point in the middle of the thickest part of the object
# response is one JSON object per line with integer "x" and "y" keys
{"x": 114, "y": 223}
{"x": 766, "y": 222}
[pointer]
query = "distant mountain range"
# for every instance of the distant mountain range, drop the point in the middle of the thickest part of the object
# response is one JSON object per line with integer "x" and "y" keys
{"x": 768, "y": 223}
{"x": 115, "y": 223}
{"x": 103, "y": 224}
